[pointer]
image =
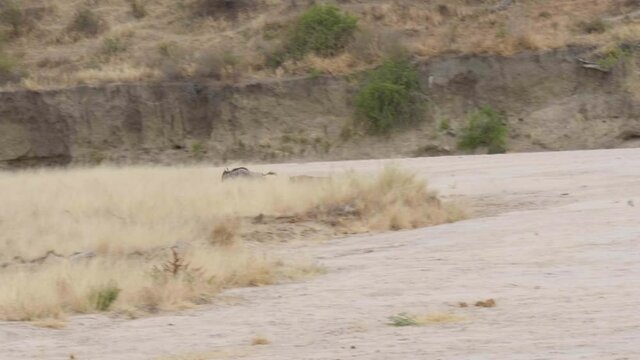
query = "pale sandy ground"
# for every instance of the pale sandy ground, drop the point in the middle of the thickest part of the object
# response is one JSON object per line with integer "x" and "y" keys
{"x": 557, "y": 246}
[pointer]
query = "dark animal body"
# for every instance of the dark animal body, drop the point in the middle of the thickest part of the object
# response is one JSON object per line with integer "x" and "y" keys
{"x": 243, "y": 173}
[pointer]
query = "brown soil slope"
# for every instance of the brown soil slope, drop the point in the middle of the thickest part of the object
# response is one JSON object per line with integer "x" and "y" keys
{"x": 551, "y": 101}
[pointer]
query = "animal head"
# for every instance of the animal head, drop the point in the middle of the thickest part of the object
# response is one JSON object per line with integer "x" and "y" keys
{"x": 225, "y": 173}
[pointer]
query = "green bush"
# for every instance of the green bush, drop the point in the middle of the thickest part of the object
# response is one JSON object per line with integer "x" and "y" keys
{"x": 485, "y": 127}
{"x": 614, "y": 56}
{"x": 390, "y": 96}
{"x": 103, "y": 298}
{"x": 322, "y": 30}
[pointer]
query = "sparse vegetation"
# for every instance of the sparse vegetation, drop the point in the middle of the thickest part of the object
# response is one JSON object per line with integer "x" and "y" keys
{"x": 198, "y": 149}
{"x": 166, "y": 49}
{"x": 7, "y": 66}
{"x": 12, "y": 15}
{"x": 9, "y": 69}
{"x": 444, "y": 125}
{"x": 485, "y": 127}
{"x": 594, "y": 26}
{"x": 220, "y": 64}
{"x": 138, "y": 8}
{"x": 113, "y": 45}
{"x": 216, "y": 8}
{"x": 273, "y": 35}
{"x": 614, "y": 56}
{"x": 390, "y": 96}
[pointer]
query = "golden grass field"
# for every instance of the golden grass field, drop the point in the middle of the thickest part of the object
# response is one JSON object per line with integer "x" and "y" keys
{"x": 71, "y": 239}
{"x": 172, "y": 40}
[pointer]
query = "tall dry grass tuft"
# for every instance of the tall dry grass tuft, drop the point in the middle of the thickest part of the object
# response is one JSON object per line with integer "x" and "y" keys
{"x": 392, "y": 200}
{"x": 139, "y": 240}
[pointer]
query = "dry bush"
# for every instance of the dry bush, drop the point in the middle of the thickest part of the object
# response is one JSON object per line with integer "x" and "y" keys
{"x": 114, "y": 73}
{"x": 594, "y": 26}
{"x": 219, "y": 64}
{"x": 216, "y": 8}
{"x": 225, "y": 233}
{"x": 260, "y": 340}
{"x": 13, "y": 16}
{"x": 138, "y": 8}
{"x": 50, "y": 323}
{"x": 86, "y": 22}
{"x": 392, "y": 200}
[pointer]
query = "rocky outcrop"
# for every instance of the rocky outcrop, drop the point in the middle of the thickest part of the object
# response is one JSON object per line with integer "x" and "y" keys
{"x": 551, "y": 101}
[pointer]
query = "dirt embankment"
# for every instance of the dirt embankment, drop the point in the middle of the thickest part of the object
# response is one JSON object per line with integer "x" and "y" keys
{"x": 551, "y": 101}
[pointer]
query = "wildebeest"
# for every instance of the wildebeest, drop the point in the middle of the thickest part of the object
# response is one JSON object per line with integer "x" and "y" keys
{"x": 243, "y": 172}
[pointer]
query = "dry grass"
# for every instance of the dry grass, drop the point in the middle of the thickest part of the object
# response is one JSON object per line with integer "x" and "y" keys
{"x": 438, "y": 318}
{"x": 206, "y": 355}
{"x": 51, "y": 54}
{"x": 260, "y": 340}
{"x": 50, "y": 323}
{"x": 166, "y": 238}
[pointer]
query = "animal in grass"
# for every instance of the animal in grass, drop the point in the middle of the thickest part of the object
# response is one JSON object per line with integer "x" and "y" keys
{"x": 243, "y": 173}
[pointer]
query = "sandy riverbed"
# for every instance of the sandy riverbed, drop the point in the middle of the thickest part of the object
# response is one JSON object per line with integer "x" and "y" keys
{"x": 555, "y": 241}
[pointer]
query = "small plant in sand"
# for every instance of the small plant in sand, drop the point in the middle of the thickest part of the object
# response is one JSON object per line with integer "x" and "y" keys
{"x": 104, "y": 297}
{"x": 404, "y": 319}
{"x": 175, "y": 266}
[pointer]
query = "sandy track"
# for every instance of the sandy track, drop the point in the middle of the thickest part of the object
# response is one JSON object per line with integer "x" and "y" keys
{"x": 558, "y": 247}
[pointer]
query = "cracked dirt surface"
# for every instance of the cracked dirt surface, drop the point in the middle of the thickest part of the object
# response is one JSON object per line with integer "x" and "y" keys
{"x": 555, "y": 241}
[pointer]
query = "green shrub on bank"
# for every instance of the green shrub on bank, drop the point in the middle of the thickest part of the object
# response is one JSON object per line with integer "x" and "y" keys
{"x": 390, "y": 96}
{"x": 322, "y": 30}
{"x": 485, "y": 127}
